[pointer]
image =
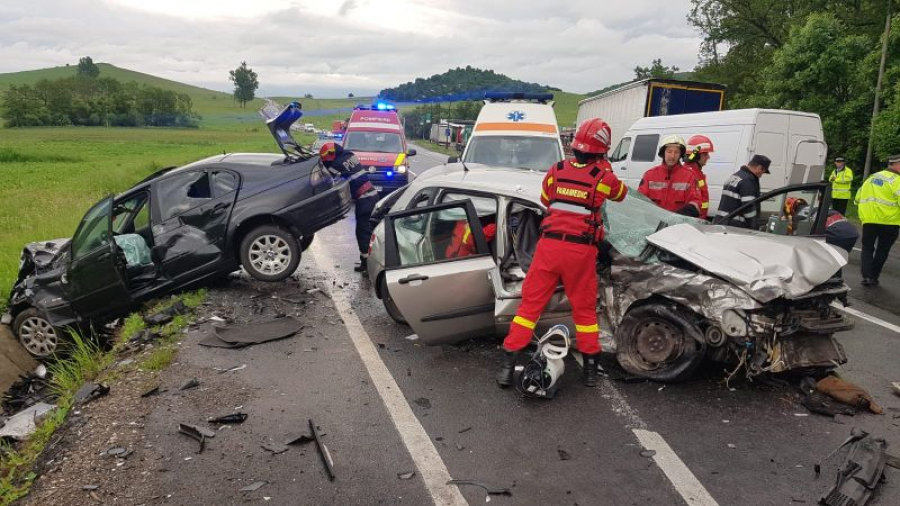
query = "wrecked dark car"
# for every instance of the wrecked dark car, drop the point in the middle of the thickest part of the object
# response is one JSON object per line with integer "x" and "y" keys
{"x": 674, "y": 290}
{"x": 177, "y": 228}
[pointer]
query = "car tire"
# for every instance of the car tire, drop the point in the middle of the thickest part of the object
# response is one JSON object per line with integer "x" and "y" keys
{"x": 270, "y": 253}
{"x": 392, "y": 310}
{"x": 35, "y": 333}
{"x": 658, "y": 342}
{"x": 306, "y": 242}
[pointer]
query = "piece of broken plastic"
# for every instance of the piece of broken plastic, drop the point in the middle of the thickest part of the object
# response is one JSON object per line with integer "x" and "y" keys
{"x": 232, "y": 418}
{"x": 406, "y": 476}
{"x": 199, "y": 434}
{"x": 88, "y": 392}
{"x": 490, "y": 489}
{"x": 189, "y": 384}
{"x": 275, "y": 447}
{"x": 24, "y": 423}
{"x": 254, "y": 486}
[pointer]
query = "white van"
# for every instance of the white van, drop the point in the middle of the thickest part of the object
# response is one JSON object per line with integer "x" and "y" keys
{"x": 517, "y": 130}
{"x": 792, "y": 140}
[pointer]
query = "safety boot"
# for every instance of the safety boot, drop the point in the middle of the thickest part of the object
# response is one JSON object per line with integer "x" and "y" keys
{"x": 363, "y": 265}
{"x": 507, "y": 365}
{"x": 590, "y": 370}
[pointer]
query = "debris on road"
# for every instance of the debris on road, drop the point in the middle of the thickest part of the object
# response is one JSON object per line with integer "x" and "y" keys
{"x": 406, "y": 476}
{"x": 153, "y": 391}
{"x": 189, "y": 384}
{"x": 423, "y": 402}
{"x": 232, "y": 369}
{"x": 323, "y": 451}
{"x": 299, "y": 439}
{"x": 274, "y": 447}
{"x": 896, "y": 386}
{"x": 166, "y": 315}
{"x": 861, "y": 473}
{"x": 491, "y": 490}
{"x": 648, "y": 453}
{"x": 463, "y": 431}
{"x": 88, "y": 392}
{"x": 90, "y": 487}
{"x": 563, "y": 455}
{"x": 232, "y": 418}
{"x": 848, "y": 393}
{"x": 253, "y": 487}
{"x": 238, "y": 336}
{"x": 199, "y": 434}
{"x": 24, "y": 423}
{"x": 817, "y": 402}
{"x": 27, "y": 391}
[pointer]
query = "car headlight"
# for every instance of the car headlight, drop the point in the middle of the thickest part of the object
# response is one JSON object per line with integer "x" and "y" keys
{"x": 400, "y": 169}
{"x": 734, "y": 323}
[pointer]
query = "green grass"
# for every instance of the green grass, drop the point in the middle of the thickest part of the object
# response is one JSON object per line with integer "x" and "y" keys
{"x": 86, "y": 361}
{"x": 566, "y": 107}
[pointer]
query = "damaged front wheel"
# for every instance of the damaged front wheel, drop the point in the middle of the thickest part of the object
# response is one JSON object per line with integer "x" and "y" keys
{"x": 37, "y": 335}
{"x": 656, "y": 342}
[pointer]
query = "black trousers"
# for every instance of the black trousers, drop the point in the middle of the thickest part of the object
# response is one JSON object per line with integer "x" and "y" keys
{"x": 840, "y": 205}
{"x": 364, "y": 207}
{"x": 876, "y": 244}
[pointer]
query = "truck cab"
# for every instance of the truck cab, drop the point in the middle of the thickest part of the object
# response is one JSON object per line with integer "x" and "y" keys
{"x": 375, "y": 135}
{"x": 517, "y": 130}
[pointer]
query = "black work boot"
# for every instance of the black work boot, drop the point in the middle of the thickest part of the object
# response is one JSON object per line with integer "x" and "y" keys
{"x": 590, "y": 370}
{"x": 363, "y": 265}
{"x": 507, "y": 365}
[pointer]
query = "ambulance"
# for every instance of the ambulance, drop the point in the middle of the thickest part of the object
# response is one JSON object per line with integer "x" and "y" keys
{"x": 375, "y": 134}
{"x": 517, "y": 130}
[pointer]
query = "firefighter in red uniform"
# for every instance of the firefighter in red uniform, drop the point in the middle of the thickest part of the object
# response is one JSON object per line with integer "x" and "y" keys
{"x": 463, "y": 244}
{"x": 671, "y": 185}
{"x": 573, "y": 192}
{"x": 698, "y": 152}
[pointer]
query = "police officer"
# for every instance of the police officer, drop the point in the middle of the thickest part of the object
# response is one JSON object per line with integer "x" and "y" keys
{"x": 879, "y": 211}
{"x": 574, "y": 191}
{"x": 841, "y": 182}
{"x": 364, "y": 194}
{"x": 671, "y": 185}
{"x": 699, "y": 148}
{"x": 742, "y": 187}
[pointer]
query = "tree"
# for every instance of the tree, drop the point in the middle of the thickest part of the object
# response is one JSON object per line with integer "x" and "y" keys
{"x": 87, "y": 68}
{"x": 245, "y": 83}
{"x": 307, "y": 95}
{"x": 655, "y": 70}
{"x": 350, "y": 95}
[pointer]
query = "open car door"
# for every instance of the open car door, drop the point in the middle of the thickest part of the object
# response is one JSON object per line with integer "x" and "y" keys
{"x": 443, "y": 295}
{"x": 94, "y": 281}
{"x": 798, "y": 210}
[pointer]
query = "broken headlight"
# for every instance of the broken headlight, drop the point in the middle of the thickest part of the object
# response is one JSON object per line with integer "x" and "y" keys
{"x": 734, "y": 322}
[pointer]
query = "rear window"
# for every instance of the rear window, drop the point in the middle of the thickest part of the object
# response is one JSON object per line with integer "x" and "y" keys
{"x": 645, "y": 148}
{"x": 373, "y": 142}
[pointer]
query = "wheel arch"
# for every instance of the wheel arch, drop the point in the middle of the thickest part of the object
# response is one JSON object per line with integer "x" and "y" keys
{"x": 248, "y": 225}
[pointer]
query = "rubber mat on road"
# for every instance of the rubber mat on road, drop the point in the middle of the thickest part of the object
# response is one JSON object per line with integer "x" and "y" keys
{"x": 237, "y": 336}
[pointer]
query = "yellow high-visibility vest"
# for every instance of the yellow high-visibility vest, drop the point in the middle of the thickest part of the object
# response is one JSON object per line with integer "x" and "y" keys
{"x": 879, "y": 199}
{"x": 841, "y": 181}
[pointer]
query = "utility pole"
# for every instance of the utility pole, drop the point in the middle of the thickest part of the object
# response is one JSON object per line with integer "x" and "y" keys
{"x": 884, "y": 47}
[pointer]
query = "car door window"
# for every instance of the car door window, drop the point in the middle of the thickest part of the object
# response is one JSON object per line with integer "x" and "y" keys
{"x": 621, "y": 151}
{"x": 645, "y": 148}
{"x": 791, "y": 213}
{"x": 223, "y": 183}
{"x": 183, "y": 192}
{"x": 93, "y": 232}
{"x": 131, "y": 215}
{"x": 422, "y": 199}
{"x": 423, "y": 236}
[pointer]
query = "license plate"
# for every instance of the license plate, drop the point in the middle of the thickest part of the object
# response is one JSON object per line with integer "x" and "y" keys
{"x": 378, "y": 188}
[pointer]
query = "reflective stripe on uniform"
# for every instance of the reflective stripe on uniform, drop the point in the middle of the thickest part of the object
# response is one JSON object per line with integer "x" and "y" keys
{"x": 747, "y": 198}
{"x": 680, "y": 186}
{"x": 572, "y": 208}
{"x": 544, "y": 195}
{"x": 621, "y": 191}
{"x": 550, "y": 180}
{"x": 587, "y": 328}
{"x": 700, "y": 183}
{"x": 729, "y": 193}
{"x": 604, "y": 189}
{"x": 880, "y": 201}
{"x": 704, "y": 205}
{"x": 528, "y": 324}
{"x": 658, "y": 185}
{"x": 467, "y": 233}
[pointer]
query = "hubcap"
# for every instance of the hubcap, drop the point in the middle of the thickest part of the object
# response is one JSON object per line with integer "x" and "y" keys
{"x": 38, "y": 336}
{"x": 270, "y": 255}
{"x": 657, "y": 341}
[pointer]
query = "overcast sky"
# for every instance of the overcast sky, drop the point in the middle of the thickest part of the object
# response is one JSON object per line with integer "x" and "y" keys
{"x": 332, "y": 47}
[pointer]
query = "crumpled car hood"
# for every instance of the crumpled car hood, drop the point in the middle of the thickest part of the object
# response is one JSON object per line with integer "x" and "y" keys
{"x": 764, "y": 265}
{"x": 43, "y": 252}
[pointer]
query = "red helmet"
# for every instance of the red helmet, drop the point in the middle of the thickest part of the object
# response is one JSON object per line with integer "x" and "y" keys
{"x": 327, "y": 152}
{"x": 593, "y": 136}
{"x": 700, "y": 144}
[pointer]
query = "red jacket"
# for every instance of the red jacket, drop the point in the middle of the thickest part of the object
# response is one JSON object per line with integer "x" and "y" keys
{"x": 671, "y": 188}
{"x": 463, "y": 243}
{"x": 574, "y": 194}
{"x": 702, "y": 186}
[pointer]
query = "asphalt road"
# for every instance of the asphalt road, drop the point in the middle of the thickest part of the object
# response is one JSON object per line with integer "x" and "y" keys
{"x": 391, "y": 406}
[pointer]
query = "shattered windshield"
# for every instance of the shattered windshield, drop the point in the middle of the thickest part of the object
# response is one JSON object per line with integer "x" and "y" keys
{"x": 535, "y": 153}
{"x": 628, "y": 223}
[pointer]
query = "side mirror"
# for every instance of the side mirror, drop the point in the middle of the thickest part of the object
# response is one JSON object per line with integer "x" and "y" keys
{"x": 453, "y": 159}
{"x": 410, "y": 152}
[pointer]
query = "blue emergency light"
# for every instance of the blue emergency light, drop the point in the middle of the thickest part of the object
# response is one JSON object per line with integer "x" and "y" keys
{"x": 390, "y": 173}
{"x": 502, "y": 96}
{"x": 381, "y": 106}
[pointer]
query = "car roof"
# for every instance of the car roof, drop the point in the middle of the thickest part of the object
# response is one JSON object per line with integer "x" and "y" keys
{"x": 703, "y": 119}
{"x": 514, "y": 183}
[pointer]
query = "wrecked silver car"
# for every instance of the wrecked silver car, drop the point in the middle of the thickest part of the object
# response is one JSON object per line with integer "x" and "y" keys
{"x": 673, "y": 290}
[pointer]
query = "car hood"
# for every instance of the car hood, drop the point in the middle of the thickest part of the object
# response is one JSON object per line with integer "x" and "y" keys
{"x": 764, "y": 265}
{"x": 42, "y": 253}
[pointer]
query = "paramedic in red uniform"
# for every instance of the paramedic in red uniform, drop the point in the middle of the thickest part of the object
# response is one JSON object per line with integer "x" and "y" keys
{"x": 671, "y": 185}
{"x": 699, "y": 148}
{"x": 573, "y": 192}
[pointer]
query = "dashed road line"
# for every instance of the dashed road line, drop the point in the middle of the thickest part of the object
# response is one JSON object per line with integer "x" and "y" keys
{"x": 417, "y": 441}
{"x": 690, "y": 488}
{"x": 867, "y": 317}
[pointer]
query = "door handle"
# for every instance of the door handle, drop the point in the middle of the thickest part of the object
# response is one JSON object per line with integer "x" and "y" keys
{"x": 411, "y": 278}
{"x": 623, "y": 168}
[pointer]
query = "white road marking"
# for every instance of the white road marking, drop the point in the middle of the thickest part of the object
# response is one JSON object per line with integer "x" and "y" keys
{"x": 864, "y": 316}
{"x": 690, "y": 488}
{"x": 423, "y": 452}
